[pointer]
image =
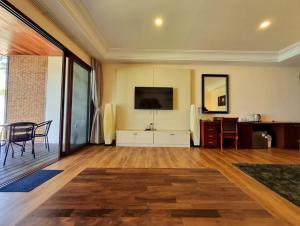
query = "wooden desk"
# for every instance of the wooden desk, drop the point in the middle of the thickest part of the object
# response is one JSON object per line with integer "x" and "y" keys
{"x": 284, "y": 134}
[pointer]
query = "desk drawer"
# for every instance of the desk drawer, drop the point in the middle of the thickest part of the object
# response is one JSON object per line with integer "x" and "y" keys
{"x": 211, "y": 135}
{"x": 212, "y": 144}
{"x": 210, "y": 129}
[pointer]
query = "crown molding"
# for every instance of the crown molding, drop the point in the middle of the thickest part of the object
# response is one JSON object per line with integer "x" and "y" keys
{"x": 289, "y": 52}
{"x": 191, "y": 55}
{"x": 80, "y": 15}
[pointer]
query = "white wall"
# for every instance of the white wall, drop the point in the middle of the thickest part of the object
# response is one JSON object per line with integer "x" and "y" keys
{"x": 53, "y": 97}
{"x": 270, "y": 90}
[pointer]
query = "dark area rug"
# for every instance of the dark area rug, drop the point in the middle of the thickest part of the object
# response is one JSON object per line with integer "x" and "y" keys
{"x": 30, "y": 182}
{"x": 283, "y": 179}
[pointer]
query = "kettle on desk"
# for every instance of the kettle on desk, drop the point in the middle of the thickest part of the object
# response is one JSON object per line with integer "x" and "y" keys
{"x": 256, "y": 117}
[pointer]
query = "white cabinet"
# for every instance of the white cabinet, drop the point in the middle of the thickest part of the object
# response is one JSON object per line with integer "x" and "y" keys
{"x": 134, "y": 138}
{"x": 160, "y": 138}
{"x": 172, "y": 138}
{"x": 144, "y": 137}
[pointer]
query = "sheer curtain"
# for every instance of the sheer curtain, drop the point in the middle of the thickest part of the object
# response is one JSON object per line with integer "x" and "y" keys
{"x": 96, "y": 89}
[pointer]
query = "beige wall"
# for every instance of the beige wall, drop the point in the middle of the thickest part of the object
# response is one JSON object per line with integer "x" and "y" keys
{"x": 270, "y": 90}
{"x": 26, "y": 7}
{"x": 129, "y": 77}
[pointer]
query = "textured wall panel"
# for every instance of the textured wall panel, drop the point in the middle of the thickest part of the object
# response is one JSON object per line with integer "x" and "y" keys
{"x": 26, "y": 88}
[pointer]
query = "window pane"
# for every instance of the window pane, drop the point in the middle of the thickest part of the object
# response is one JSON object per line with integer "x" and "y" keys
{"x": 80, "y": 106}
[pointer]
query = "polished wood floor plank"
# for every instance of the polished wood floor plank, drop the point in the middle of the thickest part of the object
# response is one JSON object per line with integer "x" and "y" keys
{"x": 15, "y": 206}
{"x": 115, "y": 194}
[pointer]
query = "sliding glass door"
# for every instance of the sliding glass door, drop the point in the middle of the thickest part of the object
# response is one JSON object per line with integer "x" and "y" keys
{"x": 3, "y": 88}
{"x": 77, "y": 105}
{"x": 80, "y": 106}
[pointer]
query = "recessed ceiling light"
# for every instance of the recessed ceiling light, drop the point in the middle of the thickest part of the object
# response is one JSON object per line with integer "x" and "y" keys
{"x": 158, "y": 22}
{"x": 265, "y": 24}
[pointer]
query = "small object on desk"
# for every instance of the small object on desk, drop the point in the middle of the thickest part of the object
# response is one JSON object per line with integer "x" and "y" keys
{"x": 250, "y": 118}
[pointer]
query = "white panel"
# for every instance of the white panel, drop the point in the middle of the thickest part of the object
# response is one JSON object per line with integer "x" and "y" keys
{"x": 127, "y": 79}
{"x": 126, "y": 137}
{"x": 171, "y": 137}
{"x": 144, "y": 137}
{"x": 180, "y": 81}
{"x": 53, "y": 97}
{"x": 153, "y": 138}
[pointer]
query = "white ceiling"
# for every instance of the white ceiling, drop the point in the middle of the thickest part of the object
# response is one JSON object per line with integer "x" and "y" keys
{"x": 193, "y": 30}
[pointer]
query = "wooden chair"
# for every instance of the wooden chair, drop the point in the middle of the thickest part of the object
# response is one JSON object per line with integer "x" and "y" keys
{"x": 229, "y": 130}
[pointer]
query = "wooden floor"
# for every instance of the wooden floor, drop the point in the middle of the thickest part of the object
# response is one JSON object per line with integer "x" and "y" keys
{"x": 177, "y": 197}
{"x": 15, "y": 206}
{"x": 19, "y": 165}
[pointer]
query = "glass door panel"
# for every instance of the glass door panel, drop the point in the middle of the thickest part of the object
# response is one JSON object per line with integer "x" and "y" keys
{"x": 80, "y": 107}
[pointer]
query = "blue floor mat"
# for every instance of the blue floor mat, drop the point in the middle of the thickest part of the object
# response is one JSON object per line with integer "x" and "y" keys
{"x": 30, "y": 182}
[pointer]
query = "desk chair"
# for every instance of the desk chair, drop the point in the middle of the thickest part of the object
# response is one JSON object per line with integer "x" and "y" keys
{"x": 229, "y": 130}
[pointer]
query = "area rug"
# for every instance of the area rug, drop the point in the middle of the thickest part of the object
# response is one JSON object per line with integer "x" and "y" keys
{"x": 150, "y": 197}
{"x": 284, "y": 179}
{"x": 28, "y": 183}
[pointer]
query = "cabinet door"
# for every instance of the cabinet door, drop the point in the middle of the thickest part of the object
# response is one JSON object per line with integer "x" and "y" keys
{"x": 171, "y": 138}
{"x": 291, "y": 135}
{"x": 128, "y": 78}
{"x": 180, "y": 81}
{"x": 245, "y": 135}
{"x": 126, "y": 137}
{"x": 144, "y": 138}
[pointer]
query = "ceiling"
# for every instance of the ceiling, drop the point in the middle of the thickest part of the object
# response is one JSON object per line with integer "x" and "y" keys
{"x": 193, "y": 30}
{"x": 16, "y": 38}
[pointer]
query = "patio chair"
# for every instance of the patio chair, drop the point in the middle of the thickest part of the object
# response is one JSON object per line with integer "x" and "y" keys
{"x": 3, "y": 137}
{"x": 42, "y": 130}
{"x": 20, "y": 132}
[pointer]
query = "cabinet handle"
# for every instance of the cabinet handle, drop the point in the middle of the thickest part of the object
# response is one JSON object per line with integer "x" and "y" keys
{"x": 134, "y": 133}
{"x": 210, "y": 142}
{"x": 211, "y": 129}
{"x": 172, "y": 134}
{"x": 210, "y": 136}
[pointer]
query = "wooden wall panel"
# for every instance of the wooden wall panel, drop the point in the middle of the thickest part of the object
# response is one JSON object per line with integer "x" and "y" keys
{"x": 16, "y": 38}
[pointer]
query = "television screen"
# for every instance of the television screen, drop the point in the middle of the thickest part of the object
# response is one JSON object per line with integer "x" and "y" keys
{"x": 160, "y": 98}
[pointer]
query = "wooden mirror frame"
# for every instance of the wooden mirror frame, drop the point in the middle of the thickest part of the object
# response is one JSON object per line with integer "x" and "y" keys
{"x": 203, "y": 109}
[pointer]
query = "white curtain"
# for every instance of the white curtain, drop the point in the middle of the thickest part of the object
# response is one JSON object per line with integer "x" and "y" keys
{"x": 96, "y": 88}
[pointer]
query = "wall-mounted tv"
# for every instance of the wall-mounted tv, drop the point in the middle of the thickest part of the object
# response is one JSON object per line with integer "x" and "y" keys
{"x": 159, "y": 98}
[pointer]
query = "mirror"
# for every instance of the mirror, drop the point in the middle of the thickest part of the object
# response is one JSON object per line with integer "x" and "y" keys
{"x": 215, "y": 94}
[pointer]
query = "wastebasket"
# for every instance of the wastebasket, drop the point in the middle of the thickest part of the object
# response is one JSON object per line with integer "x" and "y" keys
{"x": 261, "y": 139}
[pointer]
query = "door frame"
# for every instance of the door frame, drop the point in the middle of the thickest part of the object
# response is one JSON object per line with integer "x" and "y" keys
{"x": 66, "y": 53}
{"x": 71, "y": 60}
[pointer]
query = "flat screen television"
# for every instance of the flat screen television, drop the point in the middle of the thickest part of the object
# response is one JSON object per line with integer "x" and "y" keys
{"x": 159, "y": 98}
